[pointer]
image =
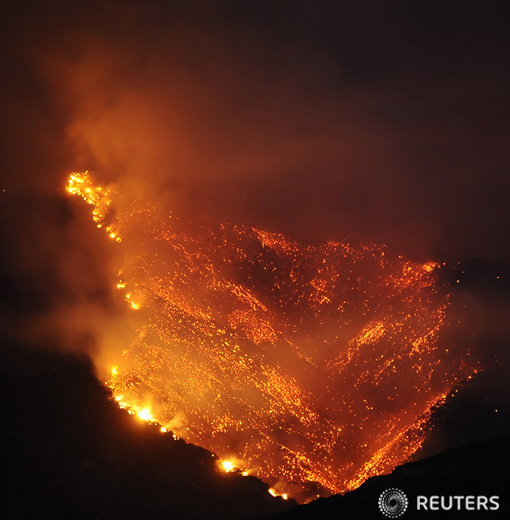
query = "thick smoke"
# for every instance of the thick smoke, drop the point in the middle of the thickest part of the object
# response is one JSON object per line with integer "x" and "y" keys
{"x": 345, "y": 122}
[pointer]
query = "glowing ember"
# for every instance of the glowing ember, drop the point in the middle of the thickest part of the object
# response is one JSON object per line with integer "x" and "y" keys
{"x": 314, "y": 368}
{"x": 145, "y": 415}
{"x": 227, "y": 466}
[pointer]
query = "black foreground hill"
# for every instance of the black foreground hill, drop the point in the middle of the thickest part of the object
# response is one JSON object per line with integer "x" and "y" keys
{"x": 69, "y": 452}
{"x": 480, "y": 469}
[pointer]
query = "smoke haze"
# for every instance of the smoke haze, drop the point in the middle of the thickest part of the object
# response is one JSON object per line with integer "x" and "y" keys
{"x": 357, "y": 121}
{"x": 349, "y": 121}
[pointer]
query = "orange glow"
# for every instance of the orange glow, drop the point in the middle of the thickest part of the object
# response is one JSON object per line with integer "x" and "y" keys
{"x": 145, "y": 415}
{"x": 80, "y": 184}
{"x": 227, "y": 466}
{"x": 319, "y": 365}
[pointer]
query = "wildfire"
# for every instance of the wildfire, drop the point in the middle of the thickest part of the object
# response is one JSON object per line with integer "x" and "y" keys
{"x": 98, "y": 196}
{"x": 227, "y": 466}
{"x": 145, "y": 415}
{"x": 317, "y": 366}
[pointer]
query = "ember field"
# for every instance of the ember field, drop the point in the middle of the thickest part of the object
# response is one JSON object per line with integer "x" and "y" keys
{"x": 312, "y": 368}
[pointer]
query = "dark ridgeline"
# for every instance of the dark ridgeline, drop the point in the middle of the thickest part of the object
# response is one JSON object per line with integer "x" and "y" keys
{"x": 70, "y": 452}
{"x": 478, "y": 469}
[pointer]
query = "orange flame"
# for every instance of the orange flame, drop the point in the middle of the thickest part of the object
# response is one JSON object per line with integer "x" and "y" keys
{"x": 317, "y": 366}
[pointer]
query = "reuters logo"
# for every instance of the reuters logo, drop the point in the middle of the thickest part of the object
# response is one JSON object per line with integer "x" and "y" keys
{"x": 393, "y": 503}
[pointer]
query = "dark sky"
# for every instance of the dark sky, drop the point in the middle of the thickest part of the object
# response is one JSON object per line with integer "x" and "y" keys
{"x": 358, "y": 120}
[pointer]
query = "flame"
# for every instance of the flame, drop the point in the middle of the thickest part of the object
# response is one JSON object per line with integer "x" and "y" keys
{"x": 228, "y": 466}
{"x": 98, "y": 196}
{"x": 319, "y": 367}
{"x": 146, "y": 415}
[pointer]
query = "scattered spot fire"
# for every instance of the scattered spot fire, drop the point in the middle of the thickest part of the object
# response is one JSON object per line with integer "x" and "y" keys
{"x": 314, "y": 368}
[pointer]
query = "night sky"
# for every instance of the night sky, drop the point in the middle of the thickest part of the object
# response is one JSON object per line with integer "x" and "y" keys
{"x": 360, "y": 121}
{"x": 365, "y": 121}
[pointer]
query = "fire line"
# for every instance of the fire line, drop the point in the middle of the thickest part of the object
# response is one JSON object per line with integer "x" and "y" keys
{"x": 313, "y": 368}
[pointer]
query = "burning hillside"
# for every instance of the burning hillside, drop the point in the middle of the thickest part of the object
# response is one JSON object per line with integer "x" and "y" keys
{"x": 312, "y": 368}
